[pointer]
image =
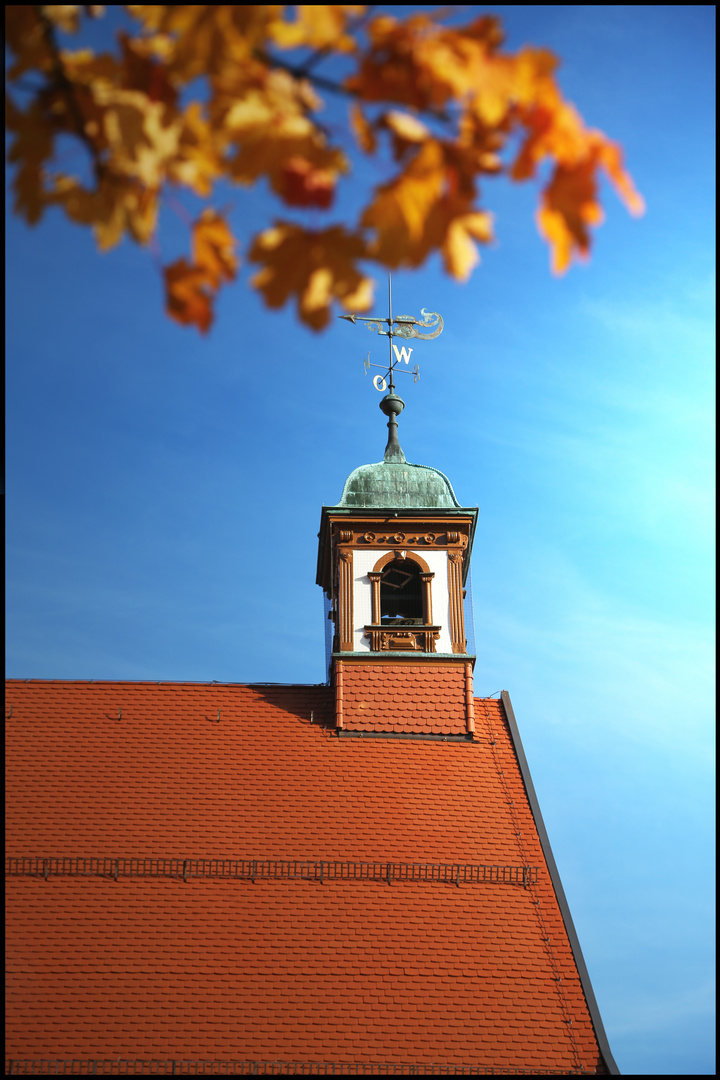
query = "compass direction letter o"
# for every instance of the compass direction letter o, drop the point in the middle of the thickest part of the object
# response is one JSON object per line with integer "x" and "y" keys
{"x": 379, "y": 383}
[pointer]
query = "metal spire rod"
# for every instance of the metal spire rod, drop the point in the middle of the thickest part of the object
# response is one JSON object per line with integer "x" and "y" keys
{"x": 390, "y": 372}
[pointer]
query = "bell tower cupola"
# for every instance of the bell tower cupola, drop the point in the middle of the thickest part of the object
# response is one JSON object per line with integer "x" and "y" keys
{"x": 393, "y": 561}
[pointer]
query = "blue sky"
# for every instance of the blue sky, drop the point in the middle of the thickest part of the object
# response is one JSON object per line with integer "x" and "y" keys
{"x": 164, "y": 492}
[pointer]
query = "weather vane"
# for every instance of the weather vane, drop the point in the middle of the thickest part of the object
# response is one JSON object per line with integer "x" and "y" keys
{"x": 402, "y": 326}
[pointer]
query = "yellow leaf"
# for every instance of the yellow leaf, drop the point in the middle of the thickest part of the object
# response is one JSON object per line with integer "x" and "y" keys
{"x": 117, "y": 205}
{"x": 197, "y": 162}
{"x": 272, "y": 136}
{"x": 314, "y": 267}
{"x": 214, "y": 248}
{"x": 400, "y": 210}
{"x": 406, "y": 127}
{"x": 317, "y": 26}
{"x": 407, "y": 131}
{"x": 459, "y": 250}
{"x": 362, "y": 130}
{"x": 65, "y": 16}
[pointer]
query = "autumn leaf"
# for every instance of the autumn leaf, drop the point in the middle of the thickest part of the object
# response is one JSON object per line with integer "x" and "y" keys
{"x": 314, "y": 267}
{"x": 65, "y": 16}
{"x": 191, "y": 288}
{"x": 198, "y": 159}
{"x": 188, "y": 298}
{"x": 214, "y": 248}
{"x": 318, "y": 26}
{"x": 401, "y": 207}
{"x": 31, "y": 149}
{"x": 459, "y": 247}
{"x": 362, "y": 130}
{"x": 116, "y": 206}
{"x": 26, "y": 39}
{"x": 406, "y": 131}
{"x": 570, "y": 204}
{"x": 303, "y": 185}
{"x": 271, "y": 135}
{"x": 195, "y": 95}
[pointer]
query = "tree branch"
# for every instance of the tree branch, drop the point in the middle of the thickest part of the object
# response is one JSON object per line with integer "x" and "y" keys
{"x": 320, "y": 54}
{"x": 299, "y": 72}
{"x": 67, "y": 89}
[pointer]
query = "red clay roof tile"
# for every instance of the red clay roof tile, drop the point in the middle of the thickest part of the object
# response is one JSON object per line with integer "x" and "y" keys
{"x": 346, "y": 971}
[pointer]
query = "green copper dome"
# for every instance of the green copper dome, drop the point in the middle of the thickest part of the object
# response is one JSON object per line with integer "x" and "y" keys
{"x": 398, "y": 485}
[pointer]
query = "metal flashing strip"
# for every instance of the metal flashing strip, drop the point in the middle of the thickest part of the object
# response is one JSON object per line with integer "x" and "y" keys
{"x": 592, "y": 1004}
{"x": 170, "y": 1067}
{"x": 272, "y": 869}
{"x": 345, "y": 733}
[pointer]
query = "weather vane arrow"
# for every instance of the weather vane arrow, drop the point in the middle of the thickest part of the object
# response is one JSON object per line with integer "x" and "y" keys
{"x": 402, "y": 326}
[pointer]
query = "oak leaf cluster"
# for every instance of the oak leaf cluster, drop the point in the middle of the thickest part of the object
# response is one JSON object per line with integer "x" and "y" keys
{"x": 196, "y": 96}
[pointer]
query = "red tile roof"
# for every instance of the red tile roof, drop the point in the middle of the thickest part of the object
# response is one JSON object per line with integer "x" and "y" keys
{"x": 404, "y": 697}
{"x": 275, "y": 970}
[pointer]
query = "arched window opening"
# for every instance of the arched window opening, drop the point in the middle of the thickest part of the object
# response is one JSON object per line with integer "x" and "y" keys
{"x": 401, "y": 597}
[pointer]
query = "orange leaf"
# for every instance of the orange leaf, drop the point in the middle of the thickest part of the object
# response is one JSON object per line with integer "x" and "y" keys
{"x": 213, "y": 247}
{"x": 400, "y": 210}
{"x": 362, "y": 130}
{"x": 267, "y": 122}
{"x": 459, "y": 248}
{"x": 303, "y": 185}
{"x": 612, "y": 160}
{"x": 315, "y": 267}
{"x": 65, "y": 16}
{"x": 32, "y": 147}
{"x": 569, "y": 205}
{"x": 317, "y": 26}
{"x": 25, "y": 37}
{"x": 188, "y": 295}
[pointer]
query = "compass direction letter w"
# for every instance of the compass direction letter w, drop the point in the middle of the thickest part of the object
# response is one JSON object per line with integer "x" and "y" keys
{"x": 402, "y": 354}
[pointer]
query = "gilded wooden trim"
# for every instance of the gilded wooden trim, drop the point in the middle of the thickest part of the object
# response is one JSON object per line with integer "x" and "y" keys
{"x": 402, "y": 638}
{"x": 427, "y": 596}
{"x": 457, "y": 618}
{"x": 375, "y": 576}
{"x": 345, "y": 600}
{"x": 392, "y": 556}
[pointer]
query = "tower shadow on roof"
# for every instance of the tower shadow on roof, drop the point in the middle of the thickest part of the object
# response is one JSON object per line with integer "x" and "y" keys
{"x": 310, "y": 704}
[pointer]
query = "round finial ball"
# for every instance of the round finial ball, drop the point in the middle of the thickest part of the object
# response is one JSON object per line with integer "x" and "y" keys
{"x": 392, "y": 405}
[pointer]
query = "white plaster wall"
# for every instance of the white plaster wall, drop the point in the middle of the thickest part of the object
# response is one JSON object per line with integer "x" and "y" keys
{"x": 364, "y": 559}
